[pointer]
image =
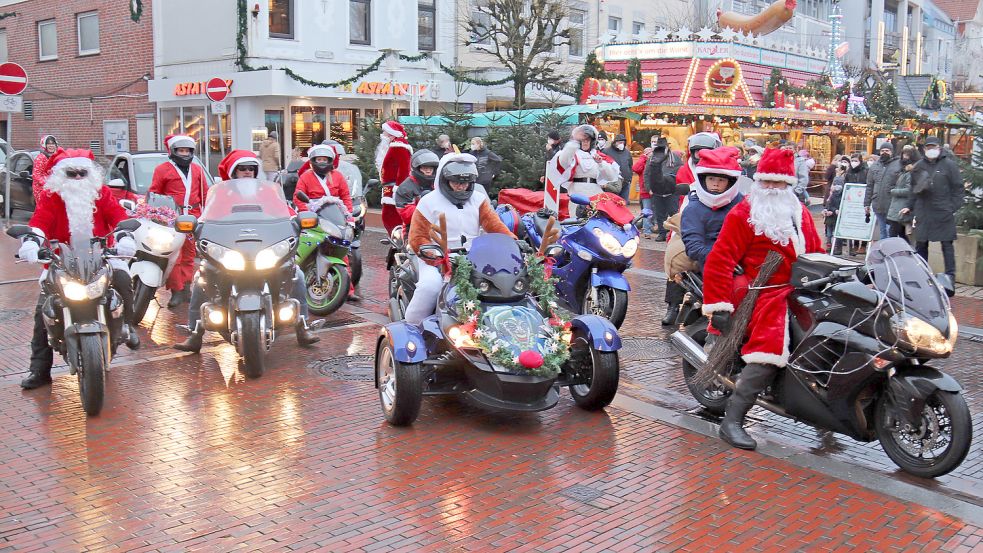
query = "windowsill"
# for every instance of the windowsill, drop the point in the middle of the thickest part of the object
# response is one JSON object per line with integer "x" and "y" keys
{"x": 361, "y": 45}
{"x": 87, "y": 54}
{"x": 53, "y": 58}
{"x": 283, "y": 37}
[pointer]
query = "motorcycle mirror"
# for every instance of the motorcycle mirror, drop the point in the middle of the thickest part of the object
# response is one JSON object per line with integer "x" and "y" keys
{"x": 945, "y": 281}
{"x": 185, "y": 224}
{"x": 307, "y": 219}
{"x": 128, "y": 224}
{"x": 431, "y": 251}
{"x": 116, "y": 183}
{"x": 302, "y": 197}
{"x": 16, "y": 231}
{"x": 24, "y": 175}
{"x": 128, "y": 205}
{"x": 371, "y": 183}
{"x": 579, "y": 199}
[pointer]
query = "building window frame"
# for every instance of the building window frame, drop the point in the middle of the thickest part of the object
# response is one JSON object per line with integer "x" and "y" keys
{"x": 41, "y": 55}
{"x": 4, "y": 48}
{"x": 614, "y": 25}
{"x": 578, "y": 28}
{"x": 78, "y": 33}
{"x": 291, "y": 4}
{"x": 427, "y": 7}
{"x": 637, "y": 28}
{"x": 479, "y": 12}
{"x": 367, "y": 22}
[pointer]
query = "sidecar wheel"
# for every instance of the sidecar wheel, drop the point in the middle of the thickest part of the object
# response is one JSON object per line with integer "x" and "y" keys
{"x": 601, "y": 369}
{"x": 400, "y": 386}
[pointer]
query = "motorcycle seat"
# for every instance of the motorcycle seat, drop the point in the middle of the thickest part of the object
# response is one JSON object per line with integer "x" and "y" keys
{"x": 541, "y": 223}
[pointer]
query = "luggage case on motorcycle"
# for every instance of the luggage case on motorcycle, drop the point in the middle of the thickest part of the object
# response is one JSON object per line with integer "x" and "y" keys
{"x": 812, "y": 266}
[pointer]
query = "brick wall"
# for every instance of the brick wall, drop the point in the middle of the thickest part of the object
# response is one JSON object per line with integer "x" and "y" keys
{"x": 74, "y": 94}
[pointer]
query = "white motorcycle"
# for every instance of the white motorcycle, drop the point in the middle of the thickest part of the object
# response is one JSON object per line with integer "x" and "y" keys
{"x": 158, "y": 247}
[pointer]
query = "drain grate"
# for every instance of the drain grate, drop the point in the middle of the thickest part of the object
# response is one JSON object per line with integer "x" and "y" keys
{"x": 584, "y": 494}
{"x": 348, "y": 368}
{"x": 10, "y": 315}
{"x": 646, "y": 349}
{"x": 338, "y": 319}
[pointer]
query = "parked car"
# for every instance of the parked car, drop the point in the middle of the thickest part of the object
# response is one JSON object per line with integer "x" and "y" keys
{"x": 20, "y": 165}
{"x": 136, "y": 170}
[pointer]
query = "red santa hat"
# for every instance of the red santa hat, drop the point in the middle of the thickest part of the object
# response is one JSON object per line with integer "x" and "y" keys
{"x": 393, "y": 128}
{"x": 776, "y": 165}
{"x": 719, "y": 161}
{"x": 235, "y": 158}
{"x": 79, "y": 159}
{"x": 179, "y": 141}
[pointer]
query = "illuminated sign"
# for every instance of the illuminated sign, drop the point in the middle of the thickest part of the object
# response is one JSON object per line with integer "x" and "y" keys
{"x": 608, "y": 90}
{"x": 385, "y": 89}
{"x": 195, "y": 89}
{"x": 722, "y": 80}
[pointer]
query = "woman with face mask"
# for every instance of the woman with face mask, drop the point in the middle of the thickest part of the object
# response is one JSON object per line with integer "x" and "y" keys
{"x": 901, "y": 194}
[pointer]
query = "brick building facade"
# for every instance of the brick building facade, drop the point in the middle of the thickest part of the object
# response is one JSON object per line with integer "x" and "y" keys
{"x": 88, "y": 79}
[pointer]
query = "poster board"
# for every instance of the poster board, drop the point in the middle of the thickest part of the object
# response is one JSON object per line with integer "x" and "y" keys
{"x": 115, "y": 136}
{"x": 852, "y": 223}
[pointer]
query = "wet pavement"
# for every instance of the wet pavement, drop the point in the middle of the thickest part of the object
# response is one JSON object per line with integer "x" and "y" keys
{"x": 189, "y": 455}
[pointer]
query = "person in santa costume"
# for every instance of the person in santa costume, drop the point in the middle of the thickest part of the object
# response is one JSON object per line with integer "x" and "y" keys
{"x": 579, "y": 168}
{"x": 392, "y": 159}
{"x": 695, "y": 144}
{"x": 184, "y": 181}
{"x": 49, "y": 146}
{"x": 75, "y": 206}
{"x": 322, "y": 181}
{"x": 423, "y": 167}
{"x": 243, "y": 164}
{"x": 770, "y": 219}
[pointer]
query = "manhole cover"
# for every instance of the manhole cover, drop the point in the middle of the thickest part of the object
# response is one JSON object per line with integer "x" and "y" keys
{"x": 350, "y": 368}
{"x": 646, "y": 348}
{"x": 584, "y": 494}
{"x": 8, "y": 315}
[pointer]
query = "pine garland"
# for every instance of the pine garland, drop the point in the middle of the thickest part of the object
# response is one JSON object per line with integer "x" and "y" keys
{"x": 822, "y": 89}
{"x": 136, "y": 10}
{"x": 5, "y": 15}
{"x": 543, "y": 288}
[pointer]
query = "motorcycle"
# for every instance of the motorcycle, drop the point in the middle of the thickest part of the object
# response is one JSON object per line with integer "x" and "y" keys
{"x": 246, "y": 240}
{"x": 82, "y": 313}
{"x": 597, "y": 249}
{"x": 158, "y": 248}
{"x": 441, "y": 356}
{"x": 321, "y": 256}
{"x": 862, "y": 339}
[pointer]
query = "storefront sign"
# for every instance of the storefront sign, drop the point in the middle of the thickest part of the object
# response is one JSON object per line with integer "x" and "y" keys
{"x": 713, "y": 50}
{"x": 650, "y": 82}
{"x": 195, "y": 89}
{"x": 722, "y": 80}
{"x": 387, "y": 89}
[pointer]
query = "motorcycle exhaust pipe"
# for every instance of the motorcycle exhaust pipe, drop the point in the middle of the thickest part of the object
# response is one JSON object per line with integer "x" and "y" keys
{"x": 689, "y": 349}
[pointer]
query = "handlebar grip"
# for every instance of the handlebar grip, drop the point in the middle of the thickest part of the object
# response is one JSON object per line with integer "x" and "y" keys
{"x": 818, "y": 282}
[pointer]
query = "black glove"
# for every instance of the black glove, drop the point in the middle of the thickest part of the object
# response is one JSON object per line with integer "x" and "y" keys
{"x": 721, "y": 321}
{"x": 738, "y": 271}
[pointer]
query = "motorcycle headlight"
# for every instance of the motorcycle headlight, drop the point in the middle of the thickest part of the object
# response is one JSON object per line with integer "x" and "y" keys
{"x": 159, "y": 238}
{"x": 74, "y": 290}
{"x": 608, "y": 241}
{"x": 630, "y": 248}
{"x": 268, "y": 258}
{"x": 520, "y": 286}
{"x": 230, "y": 259}
{"x": 922, "y": 336}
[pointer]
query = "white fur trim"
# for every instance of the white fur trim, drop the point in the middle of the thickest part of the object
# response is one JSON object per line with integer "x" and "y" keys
{"x": 791, "y": 179}
{"x": 388, "y": 129}
{"x": 240, "y": 161}
{"x": 395, "y": 144}
{"x": 765, "y": 358}
{"x": 711, "y": 308}
{"x": 181, "y": 141}
{"x": 717, "y": 171}
{"x": 388, "y": 200}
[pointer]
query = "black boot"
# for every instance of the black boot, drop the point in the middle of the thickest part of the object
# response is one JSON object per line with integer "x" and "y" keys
{"x": 671, "y": 313}
{"x": 36, "y": 378}
{"x": 42, "y": 356}
{"x": 356, "y": 295}
{"x": 753, "y": 379}
{"x": 178, "y": 297}
{"x": 192, "y": 344}
{"x": 132, "y": 338}
{"x": 304, "y": 335}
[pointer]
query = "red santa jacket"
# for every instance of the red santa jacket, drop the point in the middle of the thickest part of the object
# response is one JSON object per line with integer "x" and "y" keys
{"x": 169, "y": 180}
{"x": 123, "y": 194}
{"x": 39, "y": 175}
{"x": 50, "y": 216}
{"x": 396, "y": 163}
{"x": 309, "y": 184}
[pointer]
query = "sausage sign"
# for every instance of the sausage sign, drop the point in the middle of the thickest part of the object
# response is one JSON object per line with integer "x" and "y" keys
{"x": 774, "y": 16}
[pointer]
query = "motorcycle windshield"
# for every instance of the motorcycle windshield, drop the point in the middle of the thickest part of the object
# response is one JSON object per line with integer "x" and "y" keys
{"x": 245, "y": 200}
{"x": 902, "y": 275}
{"x": 81, "y": 264}
{"x": 161, "y": 200}
{"x": 493, "y": 254}
{"x": 519, "y": 328}
{"x": 334, "y": 214}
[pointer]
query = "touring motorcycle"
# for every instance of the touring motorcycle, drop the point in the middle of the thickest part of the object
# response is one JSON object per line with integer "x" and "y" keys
{"x": 862, "y": 339}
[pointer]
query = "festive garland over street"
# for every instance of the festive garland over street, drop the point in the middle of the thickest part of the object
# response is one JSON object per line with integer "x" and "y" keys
{"x": 136, "y": 10}
{"x": 543, "y": 288}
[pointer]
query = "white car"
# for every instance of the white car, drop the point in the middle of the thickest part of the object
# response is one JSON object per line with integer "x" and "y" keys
{"x": 136, "y": 170}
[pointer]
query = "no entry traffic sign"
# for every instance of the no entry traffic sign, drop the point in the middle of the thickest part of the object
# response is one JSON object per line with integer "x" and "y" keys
{"x": 216, "y": 89}
{"x": 13, "y": 79}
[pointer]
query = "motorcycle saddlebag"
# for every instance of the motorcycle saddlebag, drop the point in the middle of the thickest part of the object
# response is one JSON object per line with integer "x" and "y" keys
{"x": 812, "y": 266}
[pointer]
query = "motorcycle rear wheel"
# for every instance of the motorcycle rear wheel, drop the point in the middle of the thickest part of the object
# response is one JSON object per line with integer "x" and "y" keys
{"x": 713, "y": 398}
{"x": 945, "y": 417}
{"x": 92, "y": 362}
{"x": 603, "y": 374}
{"x": 400, "y": 386}
{"x": 329, "y": 295}
{"x": 142, "y": 296}
{"x": 253, "y": 345}
{"x": 612, "y": 304}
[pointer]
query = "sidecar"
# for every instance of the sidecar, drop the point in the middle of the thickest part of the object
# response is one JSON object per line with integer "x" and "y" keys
{"x": 497, "y": 360}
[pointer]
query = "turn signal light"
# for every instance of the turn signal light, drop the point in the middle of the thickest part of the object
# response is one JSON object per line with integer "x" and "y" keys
{"x": 308, "y": 222}
{"x": 184, "y": 226}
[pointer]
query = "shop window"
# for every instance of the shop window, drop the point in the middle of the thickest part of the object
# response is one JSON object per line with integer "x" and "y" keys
{"x": 373, "y": 113}
{"x": 578, "y": 24}
{"x": 307, "y": 126}
{"x": 47, "y": 40}
{"x": 427, "y": 27}
{"x": 483, "y": 22}
{"x": 170, "y": 123}
{"x": 360, "y": 21}
{"x": 281, "y": 18}
{"x": 344, "y": 127}
{"x": 273, "y": 120}
{"x": 219, "y": 140}
{"x": 194, "y": 126}
{"x": 88, "y": 33}
{"x": 3, "y": 45}
{"x": 402, "y": 112}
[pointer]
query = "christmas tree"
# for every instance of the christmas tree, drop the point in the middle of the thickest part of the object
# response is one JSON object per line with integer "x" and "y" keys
{"x": 971, "y": 214}
{"x": 833, "y": 66}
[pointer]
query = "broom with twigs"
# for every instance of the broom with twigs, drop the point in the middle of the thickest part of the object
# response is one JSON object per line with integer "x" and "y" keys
{"x": 722, "y": 354}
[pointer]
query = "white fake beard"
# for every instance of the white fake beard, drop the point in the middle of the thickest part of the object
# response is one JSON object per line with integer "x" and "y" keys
{"x": 775, "y": 213}
{"x": 79, "y": 196}
{"x": 380, "y": 151}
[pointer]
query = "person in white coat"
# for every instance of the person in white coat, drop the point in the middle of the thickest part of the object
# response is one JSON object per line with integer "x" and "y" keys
{"x": 579, "y": 168}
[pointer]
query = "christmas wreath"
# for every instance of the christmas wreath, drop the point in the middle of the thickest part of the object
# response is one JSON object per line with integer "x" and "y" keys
{"x": 546, "y": 358}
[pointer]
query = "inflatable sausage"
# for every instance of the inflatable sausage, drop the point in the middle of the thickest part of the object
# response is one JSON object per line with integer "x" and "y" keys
{"x": 776, "y": 15}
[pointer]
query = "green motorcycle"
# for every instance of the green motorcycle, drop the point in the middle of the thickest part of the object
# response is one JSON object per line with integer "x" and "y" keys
{"x": 321, "y": 255}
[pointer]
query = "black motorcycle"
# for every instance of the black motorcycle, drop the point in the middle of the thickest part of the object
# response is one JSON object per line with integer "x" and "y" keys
{"x": 246, "y": 240}
{"x": 861, "y": 340}
{"x": 82, "y": 313}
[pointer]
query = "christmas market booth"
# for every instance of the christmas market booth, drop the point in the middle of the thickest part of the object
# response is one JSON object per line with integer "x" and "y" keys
{"x": 738, "y": 86}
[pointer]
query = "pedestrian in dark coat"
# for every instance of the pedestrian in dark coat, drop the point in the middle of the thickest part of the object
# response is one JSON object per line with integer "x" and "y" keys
{"x": 831, "y": 206}
{"x": 857, "y": 171}
{"x": 937, "y": 193}
{"x": 901, "y": 195}
{"x": 882, "y": 175}
{"x": 619, "y": 152}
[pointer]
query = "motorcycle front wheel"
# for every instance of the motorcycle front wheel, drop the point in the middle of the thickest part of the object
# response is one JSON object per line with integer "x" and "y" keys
{"x": 400, "y": 386}
{"x": 612, "y": 304}
{"x": 142, "y": 296}
{"x": 253, "y": 340}
{"x": 92, "y": 363}
{"x": 326, "y": 295}
{"x": 601, "y": 371}
{"x": 937, "y": 445}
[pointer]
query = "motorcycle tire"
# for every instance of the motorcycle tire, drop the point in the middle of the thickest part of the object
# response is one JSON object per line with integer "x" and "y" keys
{"x": 337, "y": 283}
{"x": 142, "y": 296}
{"x": 938, "y": 406}
{"x": 602, "y": 381}
{"x": 92, "y": 362}
{"x": 253, "y": 345}
{"x": 355, "y": 261}
{"x": 714, "y": 397}
{"x": 400, "y": 386}
{"x": 612, "y": 304}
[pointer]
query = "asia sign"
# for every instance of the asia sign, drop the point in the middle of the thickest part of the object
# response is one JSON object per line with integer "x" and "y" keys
{"x": 195, "y": 89}
{"x": 387, "y": 89}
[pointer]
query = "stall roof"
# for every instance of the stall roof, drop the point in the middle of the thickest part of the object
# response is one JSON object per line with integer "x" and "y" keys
{"x": 571, "y": 115}
{"x": 912, "y": 88}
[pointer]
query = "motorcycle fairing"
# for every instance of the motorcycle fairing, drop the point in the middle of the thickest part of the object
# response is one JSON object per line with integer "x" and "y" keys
{"x": 400, "y": 334}
{"x": 598, "y": 329}
{"x": 608, "y": 277}
{"x": 148, "y": 272}
{"x": 911, "y": 386}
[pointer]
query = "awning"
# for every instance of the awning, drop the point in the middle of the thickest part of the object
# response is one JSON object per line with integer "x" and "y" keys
{"x": 571, "y": 115}
{"x": 912, "y": 89}
{"x": 812, "y": 117}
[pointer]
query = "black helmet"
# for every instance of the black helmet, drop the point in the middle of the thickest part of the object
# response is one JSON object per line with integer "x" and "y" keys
{"x": 460, "y": 169}
{"x": 588, "y": 130}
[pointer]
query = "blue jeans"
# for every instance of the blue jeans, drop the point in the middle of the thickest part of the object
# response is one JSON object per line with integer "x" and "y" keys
{"x": 883, "y": 227}
{"x": 647, "y": 221}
